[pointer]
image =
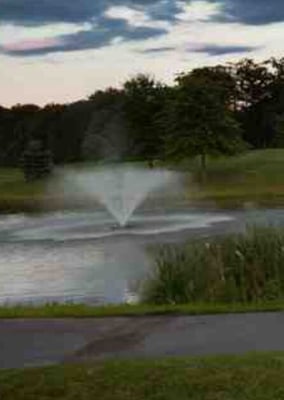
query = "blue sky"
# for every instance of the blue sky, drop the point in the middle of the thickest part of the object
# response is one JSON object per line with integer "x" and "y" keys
{"x": 63, "y": 50}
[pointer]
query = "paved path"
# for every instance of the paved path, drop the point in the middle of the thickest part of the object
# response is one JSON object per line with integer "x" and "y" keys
{"x": 26, "y": 343}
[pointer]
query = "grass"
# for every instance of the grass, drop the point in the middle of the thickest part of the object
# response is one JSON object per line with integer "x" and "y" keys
{"x": 249, "y": 377}
{"x": 16, "y": 194}
{"x": 122, "y": 310}
{"x": 239, "y": 268}
{"x": 253, "y": 177}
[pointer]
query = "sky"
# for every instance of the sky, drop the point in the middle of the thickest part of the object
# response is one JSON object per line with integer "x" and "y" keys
{"x": 55, "y": 51}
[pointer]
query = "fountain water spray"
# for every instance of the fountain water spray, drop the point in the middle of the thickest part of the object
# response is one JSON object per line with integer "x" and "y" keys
{"x": 120, "y": 189}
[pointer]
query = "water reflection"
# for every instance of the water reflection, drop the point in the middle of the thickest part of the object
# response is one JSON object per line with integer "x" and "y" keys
{"x": 67, "y": 272}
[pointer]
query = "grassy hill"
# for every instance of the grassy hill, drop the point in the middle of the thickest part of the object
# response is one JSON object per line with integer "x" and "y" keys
{"x": 253, "y": 177}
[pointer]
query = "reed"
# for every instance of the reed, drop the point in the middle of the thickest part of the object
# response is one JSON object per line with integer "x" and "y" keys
{"x": 240, "y": 268}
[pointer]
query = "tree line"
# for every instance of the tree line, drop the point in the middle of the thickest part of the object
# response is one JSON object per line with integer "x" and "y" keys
{"x": 210, "y": 110}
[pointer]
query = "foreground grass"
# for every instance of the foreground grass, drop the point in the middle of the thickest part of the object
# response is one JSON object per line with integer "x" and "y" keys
{"x": 249, "y": 377}
{"x": 85, "y": 311}
{"x": 255, "y": 177}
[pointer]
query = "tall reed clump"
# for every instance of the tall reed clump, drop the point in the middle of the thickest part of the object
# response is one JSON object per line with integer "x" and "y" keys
{"x": 241, "y": 268}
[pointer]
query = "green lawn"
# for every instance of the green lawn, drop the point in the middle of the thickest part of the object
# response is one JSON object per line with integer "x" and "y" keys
{"x": 261, "y": 166}
{"x": 85, "y": 311}
{"x": 17, "y": 195}
{"x": 253, "y": 177}
{"x": 249, "y": 377}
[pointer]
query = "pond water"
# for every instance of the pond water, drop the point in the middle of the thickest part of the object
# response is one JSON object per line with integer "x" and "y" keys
{"x": 84, "y": 257}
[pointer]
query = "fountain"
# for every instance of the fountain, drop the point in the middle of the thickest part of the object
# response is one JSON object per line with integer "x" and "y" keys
{"x": 120, "y": 189}
{"x": 93, "y": 262}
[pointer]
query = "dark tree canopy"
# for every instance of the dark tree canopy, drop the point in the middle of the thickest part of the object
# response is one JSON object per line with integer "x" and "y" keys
{"x": 208, "y": 110}
{"x": 144, "y": 101}
{"x": 199, "y": 120}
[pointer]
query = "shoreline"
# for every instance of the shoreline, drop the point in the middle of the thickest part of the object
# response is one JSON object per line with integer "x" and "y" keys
{"x": 57, "y": 310}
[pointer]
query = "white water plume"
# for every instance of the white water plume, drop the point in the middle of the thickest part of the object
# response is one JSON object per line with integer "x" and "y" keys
{"x": 120, "y": 189}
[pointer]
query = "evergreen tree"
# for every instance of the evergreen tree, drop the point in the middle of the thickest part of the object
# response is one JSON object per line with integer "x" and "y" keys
{"x": 36, "y": 161}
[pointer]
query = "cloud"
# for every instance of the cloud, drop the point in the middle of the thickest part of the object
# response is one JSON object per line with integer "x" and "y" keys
{"x": 135, "y": 17}
{"x": 154, "y": 50}
{"x": 165, "y": 9}
{"x": 108, "y": 21}
{"x": 96, "y": 38}
{"x": 215, "y": 50}
{"x": 118, "y": 58}
{"x": 252, "y": 12}
{"x": 38, "y": 12}
{"x": 31, "y": 45}
{"x": 199, "y": 10}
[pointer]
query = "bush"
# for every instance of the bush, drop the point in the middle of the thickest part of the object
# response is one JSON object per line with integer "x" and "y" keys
{"x": 242, "y": 268}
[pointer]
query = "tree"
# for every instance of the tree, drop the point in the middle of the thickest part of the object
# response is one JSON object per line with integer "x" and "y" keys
{"x": 69, "y": 131}
{"x": 107, "y": 136}
{"x": 260, "y": 89}
{"x": 144, "y": 101}
{"x": 279, "y": 135}
{"x": 17, "y": 127}
{"x": 36, "y": 161}
{"x": 218, "y": 78}
{"x": 276, "y": 104}
{"x": 136, "y": 121}
{"x": 252, "y": 81}
{"x": 199, "y": 121}
{"x": 255, "y": 114}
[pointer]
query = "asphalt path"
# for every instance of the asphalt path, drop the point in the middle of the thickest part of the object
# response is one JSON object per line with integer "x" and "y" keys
{"x": 37, "y": 342}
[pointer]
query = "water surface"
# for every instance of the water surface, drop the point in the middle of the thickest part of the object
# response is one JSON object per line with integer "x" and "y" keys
{"x": 84, "y": 257}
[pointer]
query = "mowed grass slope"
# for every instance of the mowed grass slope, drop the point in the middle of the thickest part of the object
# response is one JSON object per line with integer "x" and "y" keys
{"x": 249, "y": 377}
{"x": 255, "y": 176}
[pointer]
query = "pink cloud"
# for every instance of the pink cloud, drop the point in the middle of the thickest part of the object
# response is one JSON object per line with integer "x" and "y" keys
{"x": 32, "y": 44}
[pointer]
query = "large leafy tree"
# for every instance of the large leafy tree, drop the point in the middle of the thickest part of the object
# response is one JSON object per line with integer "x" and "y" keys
{"x": 252, "y": 80}
{"x": 219, "y": 78}
{"x": 277, "y": 102}
{"x": 253, "y": 83}
{"x": 199, "y": 119}
{"x": 144, "y": 101}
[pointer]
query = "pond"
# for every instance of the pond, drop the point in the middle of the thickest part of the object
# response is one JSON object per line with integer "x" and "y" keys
{"x": 84, "y": 257}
